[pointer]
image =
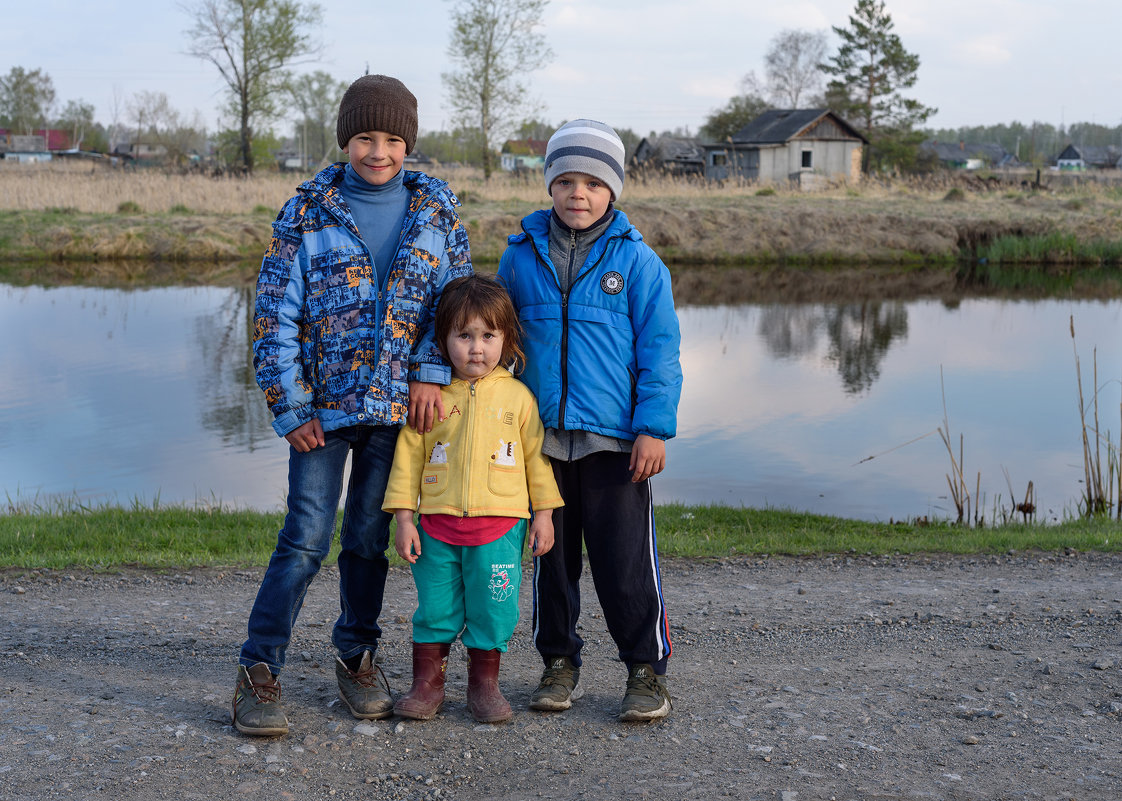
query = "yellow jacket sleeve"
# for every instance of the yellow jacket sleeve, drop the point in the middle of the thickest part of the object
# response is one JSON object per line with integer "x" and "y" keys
{"x": 403, "y": 487}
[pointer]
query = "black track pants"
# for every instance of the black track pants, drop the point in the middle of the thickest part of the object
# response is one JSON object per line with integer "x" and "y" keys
{"x": 614, "y": 519}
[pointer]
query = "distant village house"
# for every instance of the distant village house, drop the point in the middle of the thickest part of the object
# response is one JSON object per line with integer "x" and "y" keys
{"x": 967, "y": 155}
{"x": 805, "y": 147}
{"x": 1087, "y": 157}
{"x": 672, "y": 155}
{"x": 523, "y": 154}
{"x": 34, "y": 147}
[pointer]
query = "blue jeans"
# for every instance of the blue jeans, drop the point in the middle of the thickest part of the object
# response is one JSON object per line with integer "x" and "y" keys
{"x": 315, "y": 482}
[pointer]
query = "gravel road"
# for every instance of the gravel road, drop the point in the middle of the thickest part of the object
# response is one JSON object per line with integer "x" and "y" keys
{"x": 793, "y": 679}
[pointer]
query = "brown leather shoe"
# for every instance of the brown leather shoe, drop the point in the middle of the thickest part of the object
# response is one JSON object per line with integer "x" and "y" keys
{"x": 485, "y": 699}
{"x": 365, "y": 691}
{"x": 426, "y": 696}
{"x": 257, "y": 708}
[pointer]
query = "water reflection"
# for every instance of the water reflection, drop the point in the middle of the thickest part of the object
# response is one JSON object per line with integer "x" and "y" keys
{"x": 236, "y": 411}
{"x": 859, "y": 335}
{"x": 116, "y": 395}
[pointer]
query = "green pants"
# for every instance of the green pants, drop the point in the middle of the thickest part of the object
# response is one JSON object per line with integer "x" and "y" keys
{"x": 469, "y": 588}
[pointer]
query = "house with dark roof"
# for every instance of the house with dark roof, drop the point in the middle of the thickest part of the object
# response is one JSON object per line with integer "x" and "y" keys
{"x": 807, "y": 147}
{"x": 1084, "y": 157}
{"x": 674, "y": 155}
{"x": 523, "y": 154}
{"x": 967, "y": 155}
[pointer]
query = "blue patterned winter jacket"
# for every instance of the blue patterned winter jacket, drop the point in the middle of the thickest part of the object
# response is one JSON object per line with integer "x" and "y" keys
{"x": 327, "y": 342}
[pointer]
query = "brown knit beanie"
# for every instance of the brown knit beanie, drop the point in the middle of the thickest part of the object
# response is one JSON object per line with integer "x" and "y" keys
{"x": 378, "y": 103}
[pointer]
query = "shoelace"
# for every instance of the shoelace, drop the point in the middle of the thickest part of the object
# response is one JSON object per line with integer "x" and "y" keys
{"x": 369, "y": 678}
{"x": 557, "y": 676}
{"x": 267, "y": 692}
{"x": 646, "y": 684}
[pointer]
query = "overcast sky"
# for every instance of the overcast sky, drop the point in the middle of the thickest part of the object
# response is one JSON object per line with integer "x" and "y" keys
{"x": 640, "y": 64}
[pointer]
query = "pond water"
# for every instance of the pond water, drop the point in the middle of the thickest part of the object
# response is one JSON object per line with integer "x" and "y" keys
{"x": 148, "y": 395}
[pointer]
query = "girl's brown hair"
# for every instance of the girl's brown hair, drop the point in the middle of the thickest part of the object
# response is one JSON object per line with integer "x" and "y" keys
{"x": 480, "y": 296}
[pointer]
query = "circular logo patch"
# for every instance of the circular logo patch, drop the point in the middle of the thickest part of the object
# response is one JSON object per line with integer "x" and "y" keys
{"x": 612, "y": 283}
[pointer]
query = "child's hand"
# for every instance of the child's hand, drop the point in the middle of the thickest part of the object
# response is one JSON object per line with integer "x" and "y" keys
{"x": 307, "y": 436}
{"x": 648, "y": 457}
{"x": 541, "y": 532}
{"x": 406, "y": 541}
{"x": 426, "y": 406}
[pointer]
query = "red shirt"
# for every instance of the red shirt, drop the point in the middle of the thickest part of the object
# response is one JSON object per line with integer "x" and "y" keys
{"x": 456, "y": 530}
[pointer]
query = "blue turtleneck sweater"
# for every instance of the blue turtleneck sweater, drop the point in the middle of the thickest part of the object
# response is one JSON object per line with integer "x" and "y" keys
{"x": 379, "y": 213}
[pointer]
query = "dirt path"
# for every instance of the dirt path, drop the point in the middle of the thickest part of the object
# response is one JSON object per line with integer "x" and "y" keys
{"x": 794, "y": 680}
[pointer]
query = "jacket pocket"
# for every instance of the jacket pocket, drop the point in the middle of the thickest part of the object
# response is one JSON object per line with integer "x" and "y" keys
{"x": 434, "y": 480}
{"x": 505, "y": 481}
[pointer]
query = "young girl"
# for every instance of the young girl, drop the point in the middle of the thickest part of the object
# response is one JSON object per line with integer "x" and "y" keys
{"x": 479, "y": 473}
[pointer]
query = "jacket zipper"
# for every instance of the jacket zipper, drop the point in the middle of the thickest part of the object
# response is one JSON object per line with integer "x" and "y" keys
{"x": 466, "y": 487}
{"x": 565, "y": 322}
{"x": 565, "y": 308}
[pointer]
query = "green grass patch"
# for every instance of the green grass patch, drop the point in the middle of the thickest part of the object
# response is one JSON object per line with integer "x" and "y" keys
{"x": 110, "y": 537}
{"x": 1053, "y": 248}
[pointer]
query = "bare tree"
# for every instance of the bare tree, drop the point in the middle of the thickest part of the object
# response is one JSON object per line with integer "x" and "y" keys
{"x": 156, "y": 121}
{"x": 26, "y": 98}
{"x": 316, "y": 98}
{"x": 495, "y": 46}
{"x": 791, "y": 66}
{"x": 77, "y": 118}
{"x": 251, "y": 43}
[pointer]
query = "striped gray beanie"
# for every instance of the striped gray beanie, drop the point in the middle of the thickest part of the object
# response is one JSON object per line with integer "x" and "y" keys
{"x": 586, "y": 146}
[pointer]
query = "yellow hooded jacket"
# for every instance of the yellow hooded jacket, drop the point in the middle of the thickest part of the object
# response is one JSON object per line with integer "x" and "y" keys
{"x": 483, "y": 459}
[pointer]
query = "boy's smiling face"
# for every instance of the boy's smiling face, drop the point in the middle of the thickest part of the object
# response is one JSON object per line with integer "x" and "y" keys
{"x": 579, "y": 199}
{"x": 376, "y": 156}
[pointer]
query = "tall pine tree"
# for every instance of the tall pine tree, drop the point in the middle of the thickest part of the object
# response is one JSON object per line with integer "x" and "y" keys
{"x": 870, "y": 70}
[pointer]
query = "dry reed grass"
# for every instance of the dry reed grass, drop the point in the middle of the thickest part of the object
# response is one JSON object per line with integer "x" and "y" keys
{"x": 95, "y": 188}
{"x": 689, "y": 222}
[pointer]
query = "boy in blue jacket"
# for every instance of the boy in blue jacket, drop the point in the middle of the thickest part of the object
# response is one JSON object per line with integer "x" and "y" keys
{"x": 344, "y": 350}
{"x": 602, "y": 342}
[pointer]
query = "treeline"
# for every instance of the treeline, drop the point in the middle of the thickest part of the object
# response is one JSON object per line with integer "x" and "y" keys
{"x": 1034, "y": 143}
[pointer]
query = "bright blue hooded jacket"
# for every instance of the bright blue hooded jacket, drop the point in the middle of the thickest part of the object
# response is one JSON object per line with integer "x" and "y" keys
{"x": 327, "y": 342}
{"x": 605, "y": 356}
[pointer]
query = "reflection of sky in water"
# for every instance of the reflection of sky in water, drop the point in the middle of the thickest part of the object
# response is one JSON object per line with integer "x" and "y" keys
{"x": 765, "y": 419}
{"x": 112, "y": 392}
{"x": 113, "y": 396}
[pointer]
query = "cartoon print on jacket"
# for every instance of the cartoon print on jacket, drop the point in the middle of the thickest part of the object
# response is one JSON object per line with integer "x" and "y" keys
{"x": 505, "y": 454}
{"x": 439, "y": 453}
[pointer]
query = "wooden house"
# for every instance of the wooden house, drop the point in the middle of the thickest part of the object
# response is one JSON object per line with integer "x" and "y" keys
{"x": 33, "y": 147}
{"x": 802, "y": 146}
{"x": 523, "y": 154}
{"x": 1089, "y": 157}
{"x": 967, "y": 155}
{"x": 674, "y": 155}
{"x": 24, "y": 149}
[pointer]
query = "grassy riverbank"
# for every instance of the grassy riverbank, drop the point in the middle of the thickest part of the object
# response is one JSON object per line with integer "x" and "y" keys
{"x": 90, "y": 221}
{"x": 180, "y": 537}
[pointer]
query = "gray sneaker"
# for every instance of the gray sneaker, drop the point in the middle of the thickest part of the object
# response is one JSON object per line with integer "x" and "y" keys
{"x": 365, "y": 691}
{"x": 647, "y": 697}
{"x": 257, "y": 708}
{"x": 559, "y": 687}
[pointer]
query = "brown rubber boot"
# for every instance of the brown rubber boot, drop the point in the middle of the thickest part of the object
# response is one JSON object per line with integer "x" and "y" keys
{"x": 485, "y": 699}
{"x": 425, "y": 697}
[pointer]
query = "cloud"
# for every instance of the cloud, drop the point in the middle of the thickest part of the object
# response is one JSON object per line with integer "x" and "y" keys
{"x": 983, "y": 51}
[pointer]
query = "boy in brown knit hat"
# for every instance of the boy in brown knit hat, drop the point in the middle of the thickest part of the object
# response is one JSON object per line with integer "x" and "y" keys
{"x": 344, "y": 350}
